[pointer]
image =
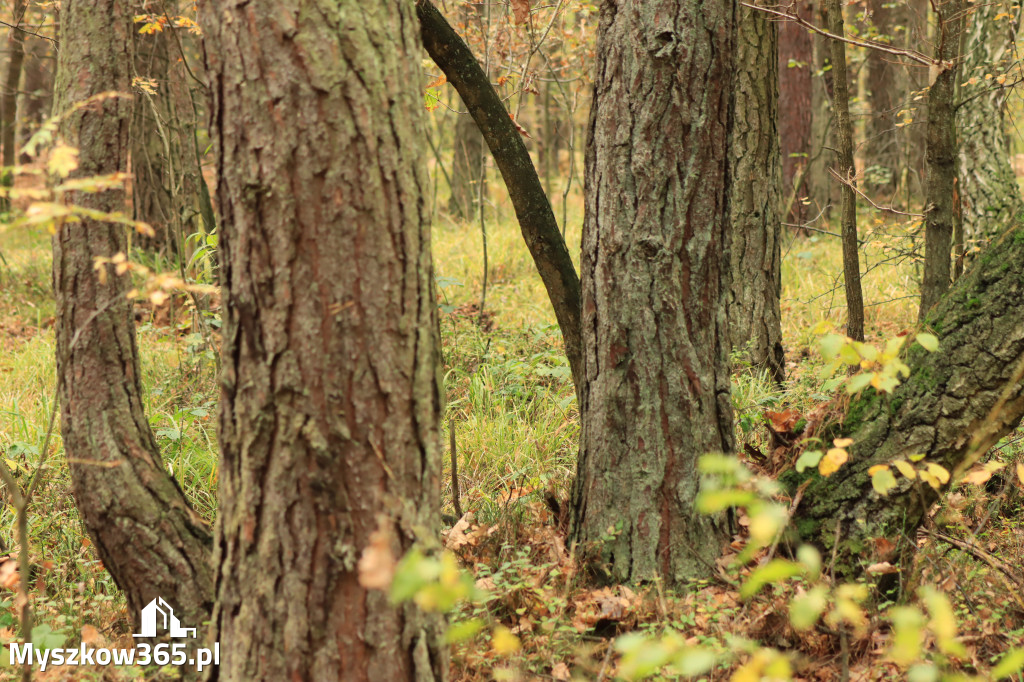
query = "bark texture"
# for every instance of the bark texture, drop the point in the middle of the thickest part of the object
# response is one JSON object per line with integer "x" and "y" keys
{"x": 941, "y": 156}
{"x": 12, "y": 81}
{"x": 796, "y": 65}
{"x": 988, "y": 187}
{"x": 755, "y": 257}
{"x": 655, "y": 395}
{"x": 330, "y": 389}
{"x": 533, "y": 210}
{"x": 847, "y": 171}
{"x": 148, "y": 537}
{"x": 971, "y": 387}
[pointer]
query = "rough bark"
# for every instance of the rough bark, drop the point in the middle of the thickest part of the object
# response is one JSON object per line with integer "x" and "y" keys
{"x": 941, "y": 156}
{"x": 12, "y": 81}
{"x": 148, "y": 537}
{"x": 957, "y": 403}
{"x": 883, "y": 141}
{"x": 330, "y": 400}
{"x": 655, "y": 394}
{"x": 796, "y": 66}
{"x": 988, "y": 187}
{"x": 533, "y": 210}
{"x": 847, "y": 171}
{"x": 755, "y": 258}
{"x": 467, "y": 167}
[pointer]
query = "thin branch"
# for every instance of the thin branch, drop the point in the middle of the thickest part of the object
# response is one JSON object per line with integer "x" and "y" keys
{"x": 887, "y": 209}
{"x": 31, "y": 33}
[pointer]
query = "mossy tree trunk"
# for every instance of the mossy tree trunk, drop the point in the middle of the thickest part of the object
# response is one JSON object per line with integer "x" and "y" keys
{"x": 755, "y": 258}
{"x": 331, "y": 398}
{"x": 655, "y": 389}
{"x": 956, "y": 404}
{"x": 150, "y": 540}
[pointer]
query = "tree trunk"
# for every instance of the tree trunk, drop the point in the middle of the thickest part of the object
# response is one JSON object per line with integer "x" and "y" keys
{"x": 655, "y": 393}
{"x": 467, "y": 166}
{"x": 821, "y": 188}
{"x": 796, "y": 66}
{"x": 148, "y": 537}
{"x": 988, "y": 186}
{"x": 884, "y": 142}
{"x": 12, "y": 81}
{"x": 755, "y": 258}
{"x": 847, "y": 171}
{"x": 941, "y": 158}
{"x": 956, "y": 404}
{"x": 331, "y": 393}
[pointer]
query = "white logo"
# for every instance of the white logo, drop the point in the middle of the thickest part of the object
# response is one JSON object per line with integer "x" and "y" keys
{"x": 159, "y": 610}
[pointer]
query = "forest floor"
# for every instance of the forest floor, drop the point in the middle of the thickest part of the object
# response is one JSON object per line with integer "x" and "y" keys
{"x": 516, "y": 422}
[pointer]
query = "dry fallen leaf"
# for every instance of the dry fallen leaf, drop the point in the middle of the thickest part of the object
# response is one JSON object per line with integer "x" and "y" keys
{"x": 560, "y": 672}
{"x": 521, "y": 10}
{"x": 377, "y": 565}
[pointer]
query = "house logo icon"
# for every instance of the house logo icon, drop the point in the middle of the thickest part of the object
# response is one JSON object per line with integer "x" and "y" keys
{"x": 159, "y": 613}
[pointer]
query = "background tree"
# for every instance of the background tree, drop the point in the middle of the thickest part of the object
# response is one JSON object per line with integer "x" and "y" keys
{"x": 148, "y": 537}
{"x": 796, "y": 67}
{"x": 990, "y": 196}
{"x": 655, "y": 388}
{"x": 755, "y": 258}
{"x": 884, "y": 142}
{"x": 331, "y": 394}
{"x": 12, "y": 81}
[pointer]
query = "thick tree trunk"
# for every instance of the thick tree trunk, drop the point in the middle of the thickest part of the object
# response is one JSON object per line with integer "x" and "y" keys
{"x": 988, "y": 187}
{"x": 148, "y": 537}
{"x": 796, "y": 66}
{"x": 956, "y": 404}
{"x": 331, "y": 395}
{"x": 883, "y": 141}
{"x": 940, "y": 204}
{"x": 755, "y": 258}
{"x": 467, "y": 166}
{"x": 655, "y": 394}
{"x": 844, "y": 157}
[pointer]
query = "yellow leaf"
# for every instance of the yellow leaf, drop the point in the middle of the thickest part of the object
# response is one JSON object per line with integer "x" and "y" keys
{"x": 938, "y": 472}
{"x": 1020, "y": 471}
{"x": 977, "y": 476}
{"x": 905, "y": 468}
{"x": 831, "y": 462}
{"x": 504, "y": 642}
{"x": 842, "y": 442}
{"x": 63, "y": 160}
{"x": 877, "y": 468}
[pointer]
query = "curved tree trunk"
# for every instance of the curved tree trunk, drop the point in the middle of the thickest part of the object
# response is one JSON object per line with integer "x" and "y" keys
{"x": 331, "y": 396}
{"x": 956, "y": 404}
{"x": 655, "y": 393}
{"x": 148, "y": 537}
{"x": 988, "y": 187}
{"x": 755, "y": 258}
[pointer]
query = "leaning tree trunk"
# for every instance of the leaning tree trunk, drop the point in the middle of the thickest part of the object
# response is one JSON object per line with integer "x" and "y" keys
{"x": 331, "y": 395}
{"x": 796, "y": 66}
{"x": 148, "y": 537}
{"x": 989, "y": 192}
{"x": 941, "y": 156}
{"x": 956, "y": 404}
{"x": 755, "y": 258}
{"x": 655, "y": 390}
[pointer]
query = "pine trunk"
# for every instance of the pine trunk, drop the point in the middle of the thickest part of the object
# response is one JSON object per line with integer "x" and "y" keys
{"x": 655, "y": 390}
{"x": 330, "y": 390}
{"x": 12, "y": 81}
{"x": 883, "y": 141}
{"x": 796, "y": 66}
{"x": 148, "y": 537}
{"x": 755, "y": 258}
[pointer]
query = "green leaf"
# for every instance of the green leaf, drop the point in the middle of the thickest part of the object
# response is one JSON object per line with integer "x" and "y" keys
{"x": 928, "y": 341}
{"x": 1011, "y": 664}
{"x": 694, "y": 660}
{"x": 463, "y": 630}
{"x": 808, "y": 459}
{"x": 805, "y": 609}
{"x": 774, "y": 571}
{"x": 883, "y": 481}
{"x": 830, "y": 344}
{"x": 858, "y": 382}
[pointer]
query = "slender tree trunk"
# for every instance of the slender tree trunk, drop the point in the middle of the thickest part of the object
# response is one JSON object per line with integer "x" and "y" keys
{"x": 821, "y": 188}
{"x": 988, "y": 186}
{"x": 755, "y": 258}
{"x": 957, "y": 403}
{"x": 12, "y": 81}
{"x": 796, "y": 66}
{"x": 655, "y": 394}
{"x": 148, "y": 537}
{"x": 467, "y": 164}
{"x": 847, "y": 170}
{"x": 941, "y": 157}
{"x": 331, "y": 394}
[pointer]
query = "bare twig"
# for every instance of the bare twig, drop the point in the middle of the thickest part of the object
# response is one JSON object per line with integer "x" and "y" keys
{"x": 455, "y": 468}
{"x": 887, "y": 209}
